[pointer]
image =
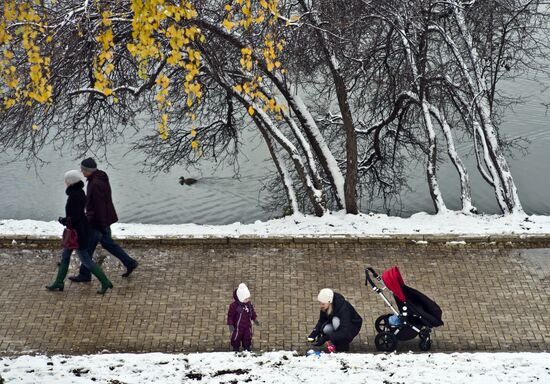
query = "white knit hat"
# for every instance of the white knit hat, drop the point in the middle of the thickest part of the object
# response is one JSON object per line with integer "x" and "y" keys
{"x": 242, "y": 292}
{"x": 325, "y": 295}
{"x": 72, "y": 177}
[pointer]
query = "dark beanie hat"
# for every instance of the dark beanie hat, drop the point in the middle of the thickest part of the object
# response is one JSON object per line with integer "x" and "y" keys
{"x": 89, "y": 163}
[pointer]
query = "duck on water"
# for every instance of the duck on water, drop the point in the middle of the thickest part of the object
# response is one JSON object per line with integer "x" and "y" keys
{"x": 187, "y": 181}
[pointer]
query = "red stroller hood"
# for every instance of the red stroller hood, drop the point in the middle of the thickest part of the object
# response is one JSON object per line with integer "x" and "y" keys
{"x": 393, "y": 280}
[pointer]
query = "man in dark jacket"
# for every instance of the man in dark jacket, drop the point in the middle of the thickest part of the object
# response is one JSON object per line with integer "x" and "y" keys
{"x": 100, "y": 213}
{"x": 338, "y": 321}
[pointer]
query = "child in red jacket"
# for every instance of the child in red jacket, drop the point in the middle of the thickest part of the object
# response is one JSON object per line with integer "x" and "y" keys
{"x": 240, "y": 316}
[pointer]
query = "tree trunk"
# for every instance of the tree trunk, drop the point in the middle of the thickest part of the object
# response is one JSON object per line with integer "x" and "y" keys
{"x": 431, "y": 164}
{"x": 315, "y": 196}
{"x": 319, "y": 146}
{"x": 511, "y": 202}
{"x": 281, "y": 167}
{"x": 465, "y": 189}
{"x": 431, "y": 161}
{"x": 350, "y": 185}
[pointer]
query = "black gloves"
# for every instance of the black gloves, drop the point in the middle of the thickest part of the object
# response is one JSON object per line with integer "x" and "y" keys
{"x": 322, "y": 340}
{"x": 62, "y": 220}
{"x": 257, "y": 322}
{"x": 231, "y": 328}
{"x": 313, "y": 335}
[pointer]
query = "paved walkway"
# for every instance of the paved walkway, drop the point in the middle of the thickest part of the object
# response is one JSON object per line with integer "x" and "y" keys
{"x": 495, "y": 297}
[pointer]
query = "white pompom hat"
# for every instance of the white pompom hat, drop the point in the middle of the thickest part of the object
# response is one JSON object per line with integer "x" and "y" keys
{"x": 242, "y": 292}
{"x": 72, "y": 177}
{"x": 325, "y": 295}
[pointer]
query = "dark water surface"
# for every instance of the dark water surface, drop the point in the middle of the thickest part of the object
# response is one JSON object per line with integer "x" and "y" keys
{"x": 219, "y": 198}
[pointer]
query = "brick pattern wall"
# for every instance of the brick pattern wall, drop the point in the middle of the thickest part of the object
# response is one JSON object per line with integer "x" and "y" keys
{"x": 494, "y": 296}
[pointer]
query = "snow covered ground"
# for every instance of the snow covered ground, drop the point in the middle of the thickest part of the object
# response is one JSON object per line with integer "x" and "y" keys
{"x": 279, "y": 367}
{"x": 335, "y": 224}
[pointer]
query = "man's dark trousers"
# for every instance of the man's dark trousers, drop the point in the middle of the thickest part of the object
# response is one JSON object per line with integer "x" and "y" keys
{"x": 107, "y": 242}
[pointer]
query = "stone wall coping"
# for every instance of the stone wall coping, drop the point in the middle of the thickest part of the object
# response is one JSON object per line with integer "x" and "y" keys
{"x": 393, "y": 238}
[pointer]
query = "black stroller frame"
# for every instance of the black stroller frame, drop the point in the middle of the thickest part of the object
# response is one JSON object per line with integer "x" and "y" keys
{"x": 414, "y": 320}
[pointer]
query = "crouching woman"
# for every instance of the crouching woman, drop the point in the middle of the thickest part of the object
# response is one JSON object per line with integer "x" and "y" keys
{"x": 338, "y": 321}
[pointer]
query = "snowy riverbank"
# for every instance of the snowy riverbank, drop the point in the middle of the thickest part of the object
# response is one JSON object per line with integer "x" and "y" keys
{"x": 280, "y": 367}
{"x": 338, "y": 223}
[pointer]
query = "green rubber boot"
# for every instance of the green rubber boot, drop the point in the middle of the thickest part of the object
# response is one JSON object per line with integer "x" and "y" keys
{"x": 105, "y": 283}
{"x": 59, "y": 283}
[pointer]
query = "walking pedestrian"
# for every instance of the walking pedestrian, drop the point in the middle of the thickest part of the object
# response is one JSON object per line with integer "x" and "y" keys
{"x": 100, "y": 213}
{"x": 75, "y": 218}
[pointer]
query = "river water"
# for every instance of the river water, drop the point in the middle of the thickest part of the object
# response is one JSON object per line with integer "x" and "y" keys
{"x": 220, "y": 198}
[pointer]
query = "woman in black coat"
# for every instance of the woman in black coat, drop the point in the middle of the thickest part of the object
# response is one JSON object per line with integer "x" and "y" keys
{"x": 338, "y": 321}
{"x": 75, "y": 217}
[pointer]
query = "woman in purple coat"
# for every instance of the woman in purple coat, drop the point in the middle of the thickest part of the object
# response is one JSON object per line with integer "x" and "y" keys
{"x": 240, "y": 316}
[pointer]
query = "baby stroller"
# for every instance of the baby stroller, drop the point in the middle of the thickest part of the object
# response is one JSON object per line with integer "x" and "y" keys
{"x": 416, "y": 315}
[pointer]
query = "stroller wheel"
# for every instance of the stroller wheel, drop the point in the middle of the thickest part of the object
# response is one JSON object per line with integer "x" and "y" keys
{"x": 425, "y": 339}
{"x": 381, "y": 324}
{"x": 385, "y": 342}
{"x": 425, "y": 345}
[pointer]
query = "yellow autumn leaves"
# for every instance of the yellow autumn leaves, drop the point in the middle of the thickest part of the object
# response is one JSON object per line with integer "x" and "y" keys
{"x": 253, "y": 91}
{"x": 251, "y": 13}
{"x": 163, "y": 82}
{"x": 154, "y": 22}
{"x": 30, "y": 31}
{"x": 151, "y": 20}
{"x": 162, "y": 36}
{"x": 103, "y": 65}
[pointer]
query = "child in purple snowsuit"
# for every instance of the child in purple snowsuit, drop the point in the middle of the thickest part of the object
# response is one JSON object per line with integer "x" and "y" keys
{"x": 240, "y": 316}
